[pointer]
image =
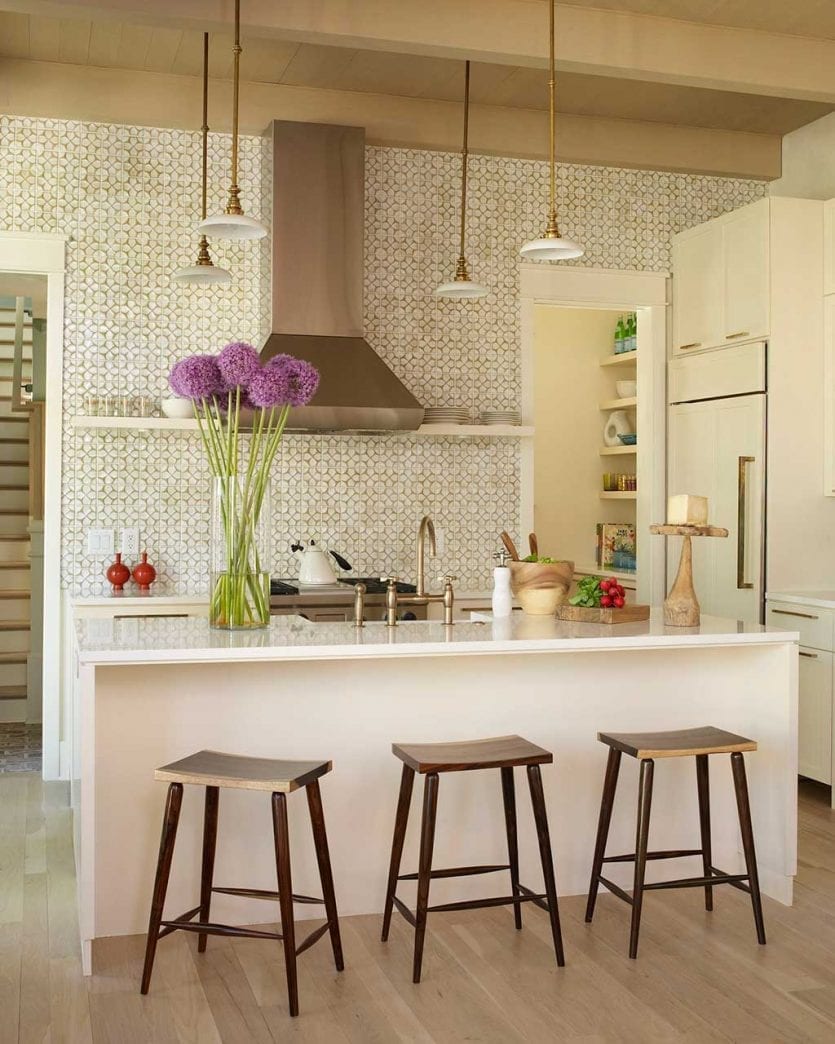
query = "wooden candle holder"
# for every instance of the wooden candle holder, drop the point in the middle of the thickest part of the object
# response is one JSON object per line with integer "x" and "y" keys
{"x": 681, "y": 608}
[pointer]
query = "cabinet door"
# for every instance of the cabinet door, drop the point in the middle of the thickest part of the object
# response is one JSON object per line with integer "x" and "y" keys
{"x": 814, "y": 728}
{"x": 746, "y": 274}
{"x": 697, "y": 290}
{"x": 829, "y": 247}
{"x": 716, "y": 450}
{"x": 829, "y": 395}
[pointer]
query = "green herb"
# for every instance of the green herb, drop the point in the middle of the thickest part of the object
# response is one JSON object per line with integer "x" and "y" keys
{"x": 588, "y": 593}
{"x": 543, "y": 561}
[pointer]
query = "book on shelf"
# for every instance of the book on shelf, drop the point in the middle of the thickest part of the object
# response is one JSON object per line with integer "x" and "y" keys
{"x": 616, "y": 548}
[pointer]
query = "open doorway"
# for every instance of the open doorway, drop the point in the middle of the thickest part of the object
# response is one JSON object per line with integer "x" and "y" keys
{"x": 23, "y": 318}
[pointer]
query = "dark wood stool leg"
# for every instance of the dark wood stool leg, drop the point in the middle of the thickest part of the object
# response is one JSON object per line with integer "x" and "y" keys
{"x": 427, "y": 844}
{"x": 641, "y": 842}
{"x": 320, "y": 838}
{"x": 703, "y": 785}
{"x": 407, "y": 780}
{"x": 209, "y": 848}
{"x": 509, "y": 795}
{"x": 285, "y": 896}
{"x": 541, "y": 819}
{"x": 607, "y": 802}
{"x": 170, "y": 820}
{"x": 744, "y": 809}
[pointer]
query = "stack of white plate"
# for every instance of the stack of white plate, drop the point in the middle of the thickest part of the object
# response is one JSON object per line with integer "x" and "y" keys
{"x": 446, "y": 415}
{"x": 500, "y": 417}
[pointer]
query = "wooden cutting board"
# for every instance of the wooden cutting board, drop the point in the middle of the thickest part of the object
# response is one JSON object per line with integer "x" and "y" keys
{"x": 581, "y": 614}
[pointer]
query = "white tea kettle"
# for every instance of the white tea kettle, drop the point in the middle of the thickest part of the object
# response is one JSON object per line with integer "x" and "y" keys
{"x": 315, "y": 567}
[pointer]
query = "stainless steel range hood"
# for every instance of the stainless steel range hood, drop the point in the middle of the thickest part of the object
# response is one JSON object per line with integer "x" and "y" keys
{"x": 318, "y": 211}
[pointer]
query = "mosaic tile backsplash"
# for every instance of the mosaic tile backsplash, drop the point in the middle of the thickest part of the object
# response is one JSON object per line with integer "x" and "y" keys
{"x": 127, "y": 196}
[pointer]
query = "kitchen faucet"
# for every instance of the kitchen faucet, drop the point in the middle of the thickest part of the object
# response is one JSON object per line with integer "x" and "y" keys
{"x": 426, "y": 527}
{"x": 420, "y": 597}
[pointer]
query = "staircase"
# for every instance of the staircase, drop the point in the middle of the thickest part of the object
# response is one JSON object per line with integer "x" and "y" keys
{"x": 14, "y": 519}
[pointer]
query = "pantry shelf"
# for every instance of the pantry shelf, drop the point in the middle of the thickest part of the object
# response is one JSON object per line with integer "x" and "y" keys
{"x": 619, "y": 404}
{"x": 618, "y": 451}
{"x": 621, "y": 360}
{"x": 631, "y": 494}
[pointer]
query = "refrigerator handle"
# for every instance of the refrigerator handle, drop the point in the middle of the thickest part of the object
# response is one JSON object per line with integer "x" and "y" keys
{"x": 741, "y": 523}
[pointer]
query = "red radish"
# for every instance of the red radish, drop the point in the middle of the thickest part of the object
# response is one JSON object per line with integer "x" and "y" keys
{"x": 604, "y": 585}
{"x": 613, "y": 581}
{"x": 605, "y": 602}
{"x": 619, "y": 602}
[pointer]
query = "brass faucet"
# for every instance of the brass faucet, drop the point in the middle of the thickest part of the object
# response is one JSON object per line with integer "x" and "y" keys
{"x": 426, "y": 527}
{"x": 394, "y": 599}
{"x": 359, "y": 604}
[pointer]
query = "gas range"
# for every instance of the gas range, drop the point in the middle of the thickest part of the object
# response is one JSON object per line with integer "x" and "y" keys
{"x": 335, "y": 602}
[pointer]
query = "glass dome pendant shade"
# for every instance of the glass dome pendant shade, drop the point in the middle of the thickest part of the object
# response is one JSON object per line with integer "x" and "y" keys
{"x": 462, "y": 287}
{"x": 551, "y": 245}
{"x": 233, "y": 223}
{"x": 204, "y": 272}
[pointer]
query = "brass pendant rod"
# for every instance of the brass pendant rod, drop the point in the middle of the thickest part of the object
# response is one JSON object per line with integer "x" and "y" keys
{"x": 234, "y": 206}
{"x": 464, "y": 158}
{"x": 552, "y": 89}
{"x": 205, "y": 127}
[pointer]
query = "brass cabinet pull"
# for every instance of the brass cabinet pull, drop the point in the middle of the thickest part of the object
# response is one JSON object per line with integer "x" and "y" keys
{"x": 693, "y": 344}
{"x": 741, "y": 502}
{"x": 741, "y": 333}
{"x": 810, "y": 656}
{"x": 789, "y": 612}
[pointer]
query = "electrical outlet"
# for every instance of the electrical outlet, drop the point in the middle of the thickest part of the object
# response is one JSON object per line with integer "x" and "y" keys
{"x": 100, "y": 542}
{"x": 130, "y": 541}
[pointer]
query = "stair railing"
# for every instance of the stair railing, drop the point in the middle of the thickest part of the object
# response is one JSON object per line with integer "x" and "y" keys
{"x": 18, "y": 402}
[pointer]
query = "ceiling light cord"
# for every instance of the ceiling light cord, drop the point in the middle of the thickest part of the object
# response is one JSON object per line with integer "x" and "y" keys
{"x": 233, "y": 205}
{"x": 552, "y": 97}
{"x": 461, "y": 268}
{"x": 203, "y": 255}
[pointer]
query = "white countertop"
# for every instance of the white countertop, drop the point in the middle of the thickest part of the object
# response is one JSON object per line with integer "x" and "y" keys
{"x": 819, "y": 599}
{"x": 155, "y": 640}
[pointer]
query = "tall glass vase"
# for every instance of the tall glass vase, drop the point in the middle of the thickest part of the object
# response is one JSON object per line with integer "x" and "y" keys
{"x": 240, "y": 574}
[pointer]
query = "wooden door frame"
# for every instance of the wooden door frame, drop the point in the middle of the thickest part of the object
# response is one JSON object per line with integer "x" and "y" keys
{"x": 572, "y": 286}
{"x": 37, "y": 253}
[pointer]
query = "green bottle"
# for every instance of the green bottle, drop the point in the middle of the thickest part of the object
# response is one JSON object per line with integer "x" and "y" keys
{"x": 620, "y": 336}
{"x": 632, "y": 333}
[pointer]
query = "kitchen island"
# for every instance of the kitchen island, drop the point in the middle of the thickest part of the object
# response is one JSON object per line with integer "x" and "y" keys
{"x": 150, "y": 690}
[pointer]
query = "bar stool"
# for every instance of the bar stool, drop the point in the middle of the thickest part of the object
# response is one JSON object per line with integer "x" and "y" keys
{"x": 213, "y": 770}
{"x": 432, "y": 759}
{"x": 646, "y": 746}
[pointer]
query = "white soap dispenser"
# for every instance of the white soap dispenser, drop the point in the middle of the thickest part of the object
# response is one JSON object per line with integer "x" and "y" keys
{"x": 502, "y": 595}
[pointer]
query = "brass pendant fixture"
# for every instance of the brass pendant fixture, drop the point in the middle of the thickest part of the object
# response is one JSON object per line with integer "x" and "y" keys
{"x": 551, "y": 245}
{"x": 462, "y": 286}
{"x": 205, "y": 271}
{"x": 233, "y": 223}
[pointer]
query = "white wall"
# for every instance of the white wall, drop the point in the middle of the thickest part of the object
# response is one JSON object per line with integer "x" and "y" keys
{"x": 808, "y": 162}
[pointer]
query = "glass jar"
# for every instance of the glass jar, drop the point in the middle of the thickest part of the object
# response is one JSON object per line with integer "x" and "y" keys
{"x": 240, "y": 570}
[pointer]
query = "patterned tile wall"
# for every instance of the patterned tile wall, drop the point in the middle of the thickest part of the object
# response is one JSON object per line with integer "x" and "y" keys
{"x": 126, "y": 196}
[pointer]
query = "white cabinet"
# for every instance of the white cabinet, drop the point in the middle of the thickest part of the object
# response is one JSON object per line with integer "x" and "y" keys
{"x": 814, "y": 724}
{"x": 829, "y": 395}
{"x": 721, "y": 280}
{"x": 816, "y": 693}
{"x": 829, "y": 247}
{"x": 697, "y": 288}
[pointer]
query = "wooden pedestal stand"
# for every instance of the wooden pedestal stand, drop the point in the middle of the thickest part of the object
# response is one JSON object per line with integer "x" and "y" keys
{"x": 681, "y": 609}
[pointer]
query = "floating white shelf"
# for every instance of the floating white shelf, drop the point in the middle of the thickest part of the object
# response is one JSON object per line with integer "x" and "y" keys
{"x": 618, "y": 451}
{"x": 619, "y": 404}
{"x": 616, "y": 494}
{"x": 629, "y": 580}
{"x": 621, "y": 360}
{"x": 461, "y": 431}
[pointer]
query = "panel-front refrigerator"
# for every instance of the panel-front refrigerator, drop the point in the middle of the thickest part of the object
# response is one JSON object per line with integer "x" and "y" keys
{"x": 718, "y": 407}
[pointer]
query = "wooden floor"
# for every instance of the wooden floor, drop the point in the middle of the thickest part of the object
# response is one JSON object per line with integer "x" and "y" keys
{"x": 699, "y": 977}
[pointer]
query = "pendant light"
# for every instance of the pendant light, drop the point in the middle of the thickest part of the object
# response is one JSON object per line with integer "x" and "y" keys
{"x": 551, "y": 246}
{"x": 462, "y": 286}
{"x": 204, "y": 272}
{"x": 233, "y": 223}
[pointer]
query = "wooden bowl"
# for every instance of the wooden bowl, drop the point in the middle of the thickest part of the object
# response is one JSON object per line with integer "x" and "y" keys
{"x": 541, "y": 586}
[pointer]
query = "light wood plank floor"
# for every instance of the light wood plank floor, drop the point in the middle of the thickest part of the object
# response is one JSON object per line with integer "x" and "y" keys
{"x": 699, "y": 977}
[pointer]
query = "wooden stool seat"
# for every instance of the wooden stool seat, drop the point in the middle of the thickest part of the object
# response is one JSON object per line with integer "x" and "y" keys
{"x": 466, "y": 755}
{"x": 679, "y": 744}
{"x": 212, "y": 768}
{"x": 433, "y": 759}
{"x": 646, "y": 747}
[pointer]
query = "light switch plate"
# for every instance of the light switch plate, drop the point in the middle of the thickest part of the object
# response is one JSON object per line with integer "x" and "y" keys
{"x": 100, "y": 542}
{"x": 130, "y": 541}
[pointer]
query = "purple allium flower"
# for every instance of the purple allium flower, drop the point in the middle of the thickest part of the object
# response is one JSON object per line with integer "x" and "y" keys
{"x": 303, "y": 380}
{"x": 196, "y": 377}
{"x": 270, "y": 386}
{"x": 238, "y": 363}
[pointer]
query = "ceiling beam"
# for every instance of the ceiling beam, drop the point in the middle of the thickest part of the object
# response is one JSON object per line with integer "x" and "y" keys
{"x": 512, "y": 32}
{"x": 55, "y": 90}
